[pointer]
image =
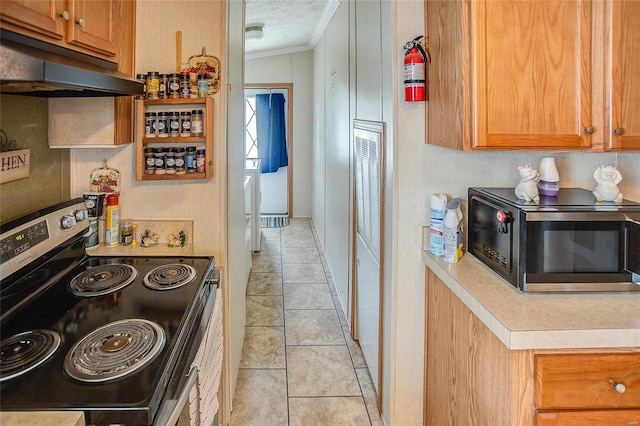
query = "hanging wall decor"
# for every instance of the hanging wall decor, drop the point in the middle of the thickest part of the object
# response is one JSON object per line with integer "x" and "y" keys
{"x": 15, "y": 163}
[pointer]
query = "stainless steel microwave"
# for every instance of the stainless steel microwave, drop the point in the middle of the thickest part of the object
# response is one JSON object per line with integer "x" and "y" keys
{"x": 569, "y": 242}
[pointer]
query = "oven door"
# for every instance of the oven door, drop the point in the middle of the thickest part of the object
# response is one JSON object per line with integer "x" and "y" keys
{"x": 577, "y": 252}
{"x": 633, "y": 250}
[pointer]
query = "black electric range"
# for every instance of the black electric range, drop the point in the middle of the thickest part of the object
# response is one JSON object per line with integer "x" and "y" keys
{"x": 113, "y": 337}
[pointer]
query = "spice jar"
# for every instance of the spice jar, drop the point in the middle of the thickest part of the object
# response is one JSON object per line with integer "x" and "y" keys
{"x": 126, "y": 233}
{"x": 185, "y": 124}
{"x": 196, "y": 123}
{"x": 180, "y": 156}
{"x": 202, "y": 85}
{"x": 174, "y": 124}
{"x": 170, "y": 161}
{"x": 159, "y": 156}
{"x": 149, "y": 161}
{"x": 142, "y": 79}
{"x": 153, "y": 85}
{"x": 150, "y": 124}
{"x": 174, "y": 86}
{"x": 185, "y": 85}
{"x": 200, "y": 161}
{"x": 163, "y": 124}
{"x": 164, "y": 86}
{"x": 190, "y": 159}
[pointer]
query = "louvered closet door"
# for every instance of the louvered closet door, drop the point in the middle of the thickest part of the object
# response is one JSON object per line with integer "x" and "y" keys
{"x": 368, "y": 143}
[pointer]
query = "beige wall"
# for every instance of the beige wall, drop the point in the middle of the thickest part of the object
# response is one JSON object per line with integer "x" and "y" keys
{"x": 24, "y": 119}
{"x": 202, "y": 25}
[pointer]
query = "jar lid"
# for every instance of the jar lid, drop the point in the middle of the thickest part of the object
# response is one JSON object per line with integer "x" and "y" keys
{"x": 180, "y": 150}
{"x": 153, "y": 73}
{"x": 185, "y": 113}
{"x": 196, "y": 111}
{"x": 140, "y": 76}
{"x": 164, "y": 75}
{"x": 158, "y": 150}
{"x": 148, "y": 150}
{"x": 112, "y": 200}
{"x": 201, "y": 151}
{"x": 173, "y": 150}
{"x": 174, "y": 75}
{"x": 191, "y": 149}
{"x": 150, "y": 114}
{"x": 202, "y": 77}
{"x": 164, "y": 114}
{"x": 125, "y": 224}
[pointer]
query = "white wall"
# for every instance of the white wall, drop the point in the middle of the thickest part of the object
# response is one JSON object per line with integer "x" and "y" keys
{"x": 296, "y": 68}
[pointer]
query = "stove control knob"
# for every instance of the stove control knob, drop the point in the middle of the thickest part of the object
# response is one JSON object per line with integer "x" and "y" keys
{"x": 501, "y": 216}
{"x": 80, "y": 215}
{"x": 68, "y": 221}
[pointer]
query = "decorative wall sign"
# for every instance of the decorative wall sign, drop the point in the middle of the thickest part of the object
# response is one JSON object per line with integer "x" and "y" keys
{"x": 15, "y": 165}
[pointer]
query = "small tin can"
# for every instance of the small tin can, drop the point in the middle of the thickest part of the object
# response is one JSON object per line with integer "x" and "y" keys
{"x": 159, "y": 155}
{"x": 174, "y": 124}
{"x": 180, "y": 161}
{"x": 91, "y": 239}
{"x": 150, "y": 119}
{"x": 185, "y": 124}
{"x": 174, "y": 86}
{"x": 149, "y": 161}
{"x": 163, "y": 125}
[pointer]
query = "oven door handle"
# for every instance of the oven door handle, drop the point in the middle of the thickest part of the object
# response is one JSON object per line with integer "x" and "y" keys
{"x": 172, "y": 408}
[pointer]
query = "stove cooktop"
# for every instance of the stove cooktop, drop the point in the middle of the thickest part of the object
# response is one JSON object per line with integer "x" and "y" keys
{"x": 73, "y": 317}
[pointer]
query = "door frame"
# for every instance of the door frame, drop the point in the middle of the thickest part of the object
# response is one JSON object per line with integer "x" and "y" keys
{"x": 289, "y": 87}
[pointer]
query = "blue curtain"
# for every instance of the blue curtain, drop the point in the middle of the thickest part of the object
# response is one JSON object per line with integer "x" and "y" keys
{"x": 272, "y": 134}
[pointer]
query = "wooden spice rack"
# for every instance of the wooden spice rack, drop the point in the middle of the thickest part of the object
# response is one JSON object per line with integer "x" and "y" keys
{"x": 205, "y": 141}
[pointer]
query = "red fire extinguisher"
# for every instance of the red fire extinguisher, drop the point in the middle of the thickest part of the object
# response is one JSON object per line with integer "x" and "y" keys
{"x": 415, "y": 60}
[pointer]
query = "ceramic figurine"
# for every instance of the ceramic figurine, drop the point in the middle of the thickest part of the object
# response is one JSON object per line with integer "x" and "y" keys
{"x": 607, "y": 180}
{"x": 527, "y": 189}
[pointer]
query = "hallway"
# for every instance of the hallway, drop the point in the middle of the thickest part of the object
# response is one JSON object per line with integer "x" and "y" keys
{"x": 299, "y": 365}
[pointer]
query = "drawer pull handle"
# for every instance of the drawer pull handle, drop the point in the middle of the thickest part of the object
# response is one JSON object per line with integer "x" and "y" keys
{"x": 619, "y": 387}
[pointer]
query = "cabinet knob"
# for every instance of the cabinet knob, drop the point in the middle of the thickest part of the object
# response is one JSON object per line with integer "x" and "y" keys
{"x": 589, "y": 130}
{"x": 81, "y": 22}
{"x": 65, "y": 15}
{"x": 619, "y": 131}
{"x": 618, "y": 387}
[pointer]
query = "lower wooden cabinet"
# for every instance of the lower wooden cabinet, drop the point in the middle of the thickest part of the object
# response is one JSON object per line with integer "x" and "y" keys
{"x": 472, "y": 378}
{"x": 589, "y": 418}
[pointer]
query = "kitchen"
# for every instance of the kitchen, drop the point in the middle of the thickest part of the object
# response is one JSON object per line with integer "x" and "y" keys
{"x": 418, "y": 169}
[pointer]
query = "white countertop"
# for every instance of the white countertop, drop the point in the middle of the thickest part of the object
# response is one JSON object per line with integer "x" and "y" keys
{"x": 541, "y": 320}
{"x": 161, "y": 249}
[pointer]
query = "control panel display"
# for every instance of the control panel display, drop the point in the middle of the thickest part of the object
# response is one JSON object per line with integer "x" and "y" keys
{"x": 23, "y": 240}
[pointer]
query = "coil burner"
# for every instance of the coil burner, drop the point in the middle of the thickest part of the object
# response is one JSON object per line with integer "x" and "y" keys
{"x": 25, "y": 351}
{"x": 102, "y": 279}
{"x": 115, "y": 350}
{"x": 167, "y": 277}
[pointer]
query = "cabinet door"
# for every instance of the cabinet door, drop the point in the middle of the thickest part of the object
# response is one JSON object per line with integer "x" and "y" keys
{"x": 36, "y": 18}
{"x": 533, "y": 73}
{"x": 625, "y": 84}
{"x": 91, "y": 25}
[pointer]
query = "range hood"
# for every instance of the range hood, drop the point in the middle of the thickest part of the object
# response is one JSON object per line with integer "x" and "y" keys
{"x": 33, "y": 68}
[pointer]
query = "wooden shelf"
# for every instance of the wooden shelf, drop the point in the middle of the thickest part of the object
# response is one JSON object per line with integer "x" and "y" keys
{"x": 205, "y": 141}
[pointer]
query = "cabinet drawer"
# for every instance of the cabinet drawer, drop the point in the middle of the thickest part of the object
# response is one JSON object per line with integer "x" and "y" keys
{"x": 589, "y": 418}
{"x": 586, "y": 381}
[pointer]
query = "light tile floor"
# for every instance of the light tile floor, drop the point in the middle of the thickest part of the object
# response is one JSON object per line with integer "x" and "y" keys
{"x": 299, "y": 365}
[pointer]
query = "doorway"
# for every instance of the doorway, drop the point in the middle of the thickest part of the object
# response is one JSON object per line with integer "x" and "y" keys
{"x": 276, "y": 185}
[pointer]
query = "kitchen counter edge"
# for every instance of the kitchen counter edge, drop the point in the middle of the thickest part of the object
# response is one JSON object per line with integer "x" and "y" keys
{"x": 540, "y": 321}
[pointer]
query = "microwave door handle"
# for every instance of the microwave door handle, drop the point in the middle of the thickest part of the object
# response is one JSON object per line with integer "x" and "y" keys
{"x": 632, "y": 249}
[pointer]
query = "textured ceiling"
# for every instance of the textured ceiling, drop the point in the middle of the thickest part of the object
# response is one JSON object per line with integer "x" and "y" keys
{"x": 291, "y": 25}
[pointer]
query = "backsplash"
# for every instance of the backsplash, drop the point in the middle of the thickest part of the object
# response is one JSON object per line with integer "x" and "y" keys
{"x": 24, "y": 119}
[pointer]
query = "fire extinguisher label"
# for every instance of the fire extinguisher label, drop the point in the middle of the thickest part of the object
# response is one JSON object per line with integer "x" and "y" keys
{"x": 414, "y": 72}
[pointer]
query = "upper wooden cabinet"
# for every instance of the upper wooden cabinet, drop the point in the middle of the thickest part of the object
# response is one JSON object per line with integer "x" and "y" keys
{"x": 533, "y": 75}
{"x": 624, "y": 117}
{"x": 87, "y": 26}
